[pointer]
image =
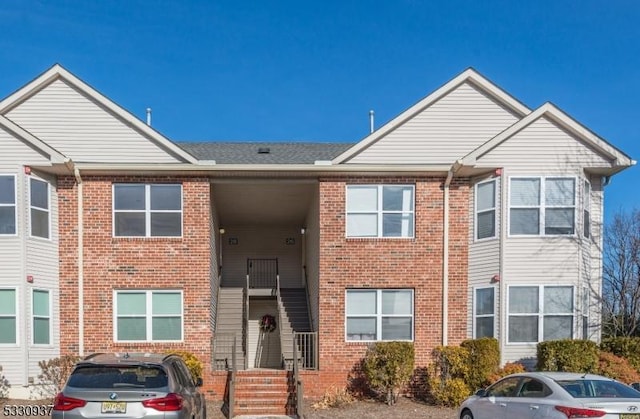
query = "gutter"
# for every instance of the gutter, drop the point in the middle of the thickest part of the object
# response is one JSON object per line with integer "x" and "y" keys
{"x": 445, "y": 251}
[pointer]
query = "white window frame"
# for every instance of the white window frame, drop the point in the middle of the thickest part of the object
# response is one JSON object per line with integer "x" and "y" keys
{"x": 45, "y": 210}
{"x": 148, "y": 315}
{"x": 379, "y": 210}
{"x": 16, "y": 315}
{"x": 379, "y": 316}
{"x": 147, "y": 210}
{"x": 585, "y": 312}
{"x": 14, "y": 205}
{"x": 541, "y": 314}
{"x": 48, "y": 317}
{"x": 586, "y": 209}
{"x": 494, "y": 209}
{"x": 542, "y": 207}
{"x": 492, "y": 315}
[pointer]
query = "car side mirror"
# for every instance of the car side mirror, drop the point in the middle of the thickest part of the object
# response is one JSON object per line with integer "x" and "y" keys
{"x": 199, "y": 382}
{"x": 481, "y": 393}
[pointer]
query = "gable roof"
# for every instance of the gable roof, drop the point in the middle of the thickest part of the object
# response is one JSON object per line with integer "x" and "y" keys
{"x": 264, "y": 152}
{"x": 54, "y": 156}
{"x": 468, "y": 76}
{"x": 618, "y": 159}
{"x": 58, "y": 72}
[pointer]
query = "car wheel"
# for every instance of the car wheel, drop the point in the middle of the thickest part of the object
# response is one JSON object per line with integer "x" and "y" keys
{"x": 466, "y": 414}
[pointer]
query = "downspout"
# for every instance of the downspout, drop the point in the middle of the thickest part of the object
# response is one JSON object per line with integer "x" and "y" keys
{"x": 76, "y": 173}
{"x": 445, "y": 251}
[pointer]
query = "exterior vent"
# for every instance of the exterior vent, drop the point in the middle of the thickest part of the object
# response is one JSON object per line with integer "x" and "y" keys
{"x": 264, "y": 150}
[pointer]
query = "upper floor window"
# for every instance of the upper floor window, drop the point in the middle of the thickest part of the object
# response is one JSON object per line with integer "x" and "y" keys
{"x": 540, "y": 313}
{"x": 8, "y": 316}
{"x": 39, "y": 204}
{"x": 586, "y": 210}
{"x": 147, "y": 210}
{"x": 41, "y": 306}
{"x": 486, "y": 210}
{"x": 484, "y": 312}
{"x": 148, "y": 315}
{"x": 380, "y": 210}
{"x": 7, "y": 205}
{"x": 544, "y": 205}
{"x": 384, "y": 314}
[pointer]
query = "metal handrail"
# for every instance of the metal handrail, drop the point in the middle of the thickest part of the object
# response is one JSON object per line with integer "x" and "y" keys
{"x": 280, "y": 320}
{"x": 245, "y": 322}
{"x": 297, "y": 381}
{"x": 261, "y": 273}
{"x": 306, "y": 344}
{"x": 232, "y": 381}
{"x": 306, "y": 292}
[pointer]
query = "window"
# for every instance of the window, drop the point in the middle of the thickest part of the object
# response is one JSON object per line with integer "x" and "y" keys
{"x": 379, "y": 315}
{"x": 540, "y": 313}
{"x": 41, "y": 307}
{"x": 380, "y": 210}
{"x": 483, "y": 312}
{"x": 8, "y": 317}
{"x": 585, "y": 313}
{"x": 542, "y": 204}
{"x": 486, "y": 210}
{"x": 530, "y": 387}
{"x": 147, "y": 210}
{"x": 586, "y": 210}
{"x": 503, "y": 388}
{"x": 7, "y": 205}
{"x": 39, "y": 203}
{"x": 148, "y": 315}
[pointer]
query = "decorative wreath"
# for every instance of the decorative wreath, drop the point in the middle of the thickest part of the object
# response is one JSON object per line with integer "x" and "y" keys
{"x": 268, "y": 323}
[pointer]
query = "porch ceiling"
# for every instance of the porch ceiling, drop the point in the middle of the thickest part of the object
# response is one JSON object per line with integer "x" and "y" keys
{"x": 256, "y": 202}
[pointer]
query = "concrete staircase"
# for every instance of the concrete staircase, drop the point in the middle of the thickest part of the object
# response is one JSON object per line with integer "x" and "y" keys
{"x": 264, "y": 392}
{"x": 229, "y": 324}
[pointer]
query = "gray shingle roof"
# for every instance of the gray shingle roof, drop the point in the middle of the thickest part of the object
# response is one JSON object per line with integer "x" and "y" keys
{"x": 250, "y": 152}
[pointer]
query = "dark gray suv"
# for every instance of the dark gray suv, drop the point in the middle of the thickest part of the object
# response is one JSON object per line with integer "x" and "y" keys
{"x": 131, "y": 386}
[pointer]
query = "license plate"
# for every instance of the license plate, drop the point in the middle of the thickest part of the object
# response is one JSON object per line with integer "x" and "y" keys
{"x": 114, "y": 407}
{"x": 630, "y": 416}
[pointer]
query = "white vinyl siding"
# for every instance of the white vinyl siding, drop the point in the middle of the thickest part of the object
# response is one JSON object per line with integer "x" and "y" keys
{"x": 8, "y": 205}
{"x": 485, "y": 210}
{"x": 380, "y": 211}
{"x": 148, "y": 316}
{"x": 542, "y": 206}
{"x": 8, "y": 316}
{"x": 484, "y": 312}
{"x": 41, "y": 317}
{"x": 147, "y": 210}
{"x": 39, "y": 205}
{"x": 540, "y": 313}
{"x": 379, "y": 315}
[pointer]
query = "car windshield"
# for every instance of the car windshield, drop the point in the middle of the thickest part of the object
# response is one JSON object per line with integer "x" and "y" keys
{"x": 100, "y": 376}
{"x": 583, "y": 389}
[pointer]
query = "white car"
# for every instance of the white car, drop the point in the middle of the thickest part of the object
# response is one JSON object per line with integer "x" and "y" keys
{"x": 552, "y": 395}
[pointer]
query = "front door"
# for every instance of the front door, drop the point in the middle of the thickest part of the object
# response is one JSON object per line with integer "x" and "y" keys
{"x": 264, "y": 346}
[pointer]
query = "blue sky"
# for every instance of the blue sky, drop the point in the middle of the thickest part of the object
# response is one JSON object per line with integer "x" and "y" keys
{"x": 310, "y": 71}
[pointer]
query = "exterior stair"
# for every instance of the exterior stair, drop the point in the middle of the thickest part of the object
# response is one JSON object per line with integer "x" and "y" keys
{"x": 229, "y": 325}
{"x": 295, "y": 316}
{"x": 264, "y": 392}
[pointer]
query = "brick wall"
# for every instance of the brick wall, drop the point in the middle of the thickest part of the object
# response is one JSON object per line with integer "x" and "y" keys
{"x": 132, "y": 263}
{"x": 392, "y": 263}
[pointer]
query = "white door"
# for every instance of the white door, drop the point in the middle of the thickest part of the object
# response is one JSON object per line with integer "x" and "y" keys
{"x": 264, "y": 347}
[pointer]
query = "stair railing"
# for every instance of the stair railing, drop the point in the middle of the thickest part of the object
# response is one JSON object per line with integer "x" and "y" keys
{"x": 297, "y": 381}
{"x": 245, "y": 327}
{"x": 306, "y": 345}
{"x": 306, "y": 292}
{"x": 232, "y": 381}
{"x": 281, "y": 322}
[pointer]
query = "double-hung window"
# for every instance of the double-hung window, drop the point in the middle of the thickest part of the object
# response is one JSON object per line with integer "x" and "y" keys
{"x": 39, "y": 203}
{"x": 540, "y": 313}
{"x": 383, "y": 314}
{"x": 484, "y": 312}
{"x": 147, "y": 210}
{"x": 485, "y": 210}
{"x": 8, "y": 317}
{"x": 41, "y": 315}
{"x": 586, "y": 210}
{"x": 148, "y": 316}
{"x": 7, "y": 205}
{"x": 380, "y": 210}
{"x": 542, "y": 206}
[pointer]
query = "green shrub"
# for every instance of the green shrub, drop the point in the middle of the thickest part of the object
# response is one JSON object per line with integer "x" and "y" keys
{"x": 483, "y": 360}
{"x": 625, "y": 347}
{"x": 53, "y": 375}
{"x": 388, "y": 367}
{"x": 617, "y": 367}
{"x": 449, "y": 392}
{"x": 508, "y": 369}
{"x": 192, "y": 361}
{"x": 568, "y": 355}
{"x": 4, "y": 386}
{"x": 450, "y": 362}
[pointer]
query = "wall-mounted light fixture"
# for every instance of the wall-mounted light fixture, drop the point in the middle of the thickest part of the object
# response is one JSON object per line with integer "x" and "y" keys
{"x": 495, "y": 278}
{"x": 303, "y": 230}
{"x": 221, "y": 230}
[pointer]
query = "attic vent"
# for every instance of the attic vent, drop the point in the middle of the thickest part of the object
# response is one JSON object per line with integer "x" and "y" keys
{"x": 264, "y": 150}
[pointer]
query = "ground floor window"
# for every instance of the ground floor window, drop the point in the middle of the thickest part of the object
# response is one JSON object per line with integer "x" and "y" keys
{"x": 8, "y": 316}
{"x": 41, "y": 317}
{"x": 540, "y": 313}
{"x": 149, "y": 316}
{"x": 378, "y": 315}
{"x": 484, "y": 312}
